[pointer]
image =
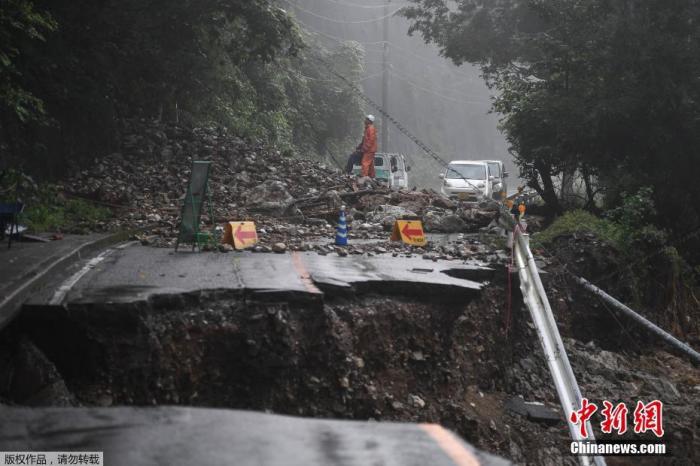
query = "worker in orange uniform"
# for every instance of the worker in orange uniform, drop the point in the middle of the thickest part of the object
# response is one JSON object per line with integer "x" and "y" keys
{"x": 369, "y": 147}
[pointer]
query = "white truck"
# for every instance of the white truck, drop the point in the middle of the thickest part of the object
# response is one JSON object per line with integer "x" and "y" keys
{"x": 390, "y": 168}
{"x": 499, "y": 187}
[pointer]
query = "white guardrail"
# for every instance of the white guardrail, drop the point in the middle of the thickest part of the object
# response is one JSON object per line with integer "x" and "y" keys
{"x": 537, "y": 303}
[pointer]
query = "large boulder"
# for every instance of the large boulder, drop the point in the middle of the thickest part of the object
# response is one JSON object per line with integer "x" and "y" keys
{"x": 436, "y": 221}
{"x": 379, "y": 213}
{"x": 270, "y": 196}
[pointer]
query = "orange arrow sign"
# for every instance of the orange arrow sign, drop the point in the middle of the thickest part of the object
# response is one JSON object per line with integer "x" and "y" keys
{"x": 244, "y": 235}
{"x": 410, "y": 232}
{"x": 240, "y": 235}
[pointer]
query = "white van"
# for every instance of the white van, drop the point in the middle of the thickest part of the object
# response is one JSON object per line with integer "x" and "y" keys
{"x": 466, "y": 180}
{"x": 390, "y": 168}
{"x": 499, "y": 187}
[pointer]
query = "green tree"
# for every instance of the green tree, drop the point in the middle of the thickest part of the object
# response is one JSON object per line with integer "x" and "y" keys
{"x": 20, "y": 24}
{"x": 606, "y": 88}
{"x": 242, "y": 64}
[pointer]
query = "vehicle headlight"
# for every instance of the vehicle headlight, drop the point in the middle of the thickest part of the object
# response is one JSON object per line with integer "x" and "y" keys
{"x": 448, "y": 184}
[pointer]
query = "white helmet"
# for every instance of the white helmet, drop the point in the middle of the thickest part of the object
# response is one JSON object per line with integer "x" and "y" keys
{"x": 370, "y": 118}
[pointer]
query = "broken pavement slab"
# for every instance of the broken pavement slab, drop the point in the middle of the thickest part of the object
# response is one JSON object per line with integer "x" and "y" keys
{"x": 533, "y": 410}
{"x": 187, "y": 436}
{"x": 137, "y": 273}
{"x": 28, "y": 267}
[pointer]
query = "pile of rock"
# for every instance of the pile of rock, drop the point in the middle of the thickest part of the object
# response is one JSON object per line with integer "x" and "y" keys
{"x": 293, "y": 201}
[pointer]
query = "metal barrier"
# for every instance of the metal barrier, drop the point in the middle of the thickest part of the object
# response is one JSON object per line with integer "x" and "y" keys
{"x": 652, "y": 327}
{"x": 537, "y": 303}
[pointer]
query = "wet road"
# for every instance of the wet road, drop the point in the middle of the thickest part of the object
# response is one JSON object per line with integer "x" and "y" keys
{"x": 136, "y": 273}
{"x": 191, "y": 436}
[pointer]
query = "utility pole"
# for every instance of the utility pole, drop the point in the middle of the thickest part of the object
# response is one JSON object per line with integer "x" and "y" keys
{"x": 385, "y": 78}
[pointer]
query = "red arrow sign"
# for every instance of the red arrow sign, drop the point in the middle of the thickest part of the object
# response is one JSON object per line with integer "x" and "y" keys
{"x": 244, "y": 235}
{"x": 409, "y": 233}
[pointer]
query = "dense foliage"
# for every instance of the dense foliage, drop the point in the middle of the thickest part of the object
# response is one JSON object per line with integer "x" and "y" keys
{"x": 72, "y": 71}
{"x": 604, "y": 91}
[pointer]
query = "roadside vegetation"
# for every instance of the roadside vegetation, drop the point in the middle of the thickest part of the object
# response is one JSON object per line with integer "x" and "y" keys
{"x": 604, "y": 95}
{"x": 72, "y": 71}
{"x": 646, "y": 267}
{"x": 57, "y": 214}
{"x": 47, "y": 209}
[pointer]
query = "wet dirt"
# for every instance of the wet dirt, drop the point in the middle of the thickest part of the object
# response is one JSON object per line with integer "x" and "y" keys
{"x": 367, "y": 356}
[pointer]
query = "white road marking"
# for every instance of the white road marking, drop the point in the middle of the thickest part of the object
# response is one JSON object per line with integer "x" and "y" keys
{"x": 66, "y": 286}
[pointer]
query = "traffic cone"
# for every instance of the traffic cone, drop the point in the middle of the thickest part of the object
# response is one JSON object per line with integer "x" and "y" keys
{"x": 341, "y": 231}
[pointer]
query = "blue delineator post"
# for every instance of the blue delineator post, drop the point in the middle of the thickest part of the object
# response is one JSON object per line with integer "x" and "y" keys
{"x": 341, "y": 231}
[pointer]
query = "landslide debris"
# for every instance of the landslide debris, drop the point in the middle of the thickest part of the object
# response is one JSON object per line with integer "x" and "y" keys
{"x": 292, "y": 200}
{"x": 361, "y": 357}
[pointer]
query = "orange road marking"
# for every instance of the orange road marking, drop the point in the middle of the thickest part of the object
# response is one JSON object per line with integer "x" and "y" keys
{"x": 450, "y": 445}
{"x": 303, "y": 273}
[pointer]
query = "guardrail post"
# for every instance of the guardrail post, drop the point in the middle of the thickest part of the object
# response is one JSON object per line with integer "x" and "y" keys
{"x": 537, "y": 302}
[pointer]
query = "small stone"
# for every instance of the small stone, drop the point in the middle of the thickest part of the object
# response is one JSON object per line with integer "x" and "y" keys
{"x": 225, "y": 247}
{"x": 416, "y": 401}
{"x": 344, "y": 382}
{"x": 397, "y": 405}
{"x": 279, "y": 247}
{"x": 105, "y": 400}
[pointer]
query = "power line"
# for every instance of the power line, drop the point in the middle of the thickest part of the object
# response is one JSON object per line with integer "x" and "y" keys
{"x": 333, "y": 20}
{"x": 437, "y": 94}
{"x": 443, "y": 89}
{"x": 365, "y": 78}
{"x": 380, "y": 43}
{"x": 368, "y": 7}
{"x": 340, "y": 40}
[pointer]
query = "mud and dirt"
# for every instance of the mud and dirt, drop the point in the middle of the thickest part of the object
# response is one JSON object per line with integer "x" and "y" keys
{"x": 370, "y": 356}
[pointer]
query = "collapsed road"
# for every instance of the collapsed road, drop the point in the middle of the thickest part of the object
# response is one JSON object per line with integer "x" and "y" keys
{"x": 304, "y": 334}
{"x": 120, "y": 346}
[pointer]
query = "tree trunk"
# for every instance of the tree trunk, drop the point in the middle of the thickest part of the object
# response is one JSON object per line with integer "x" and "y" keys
{"x": 590, "y": 195}
{"x": 549, "y": 194}
{"x": 566, "y": 195}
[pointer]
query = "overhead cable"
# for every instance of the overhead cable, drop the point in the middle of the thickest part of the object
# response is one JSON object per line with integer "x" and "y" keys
{"x": 437, "y": 94}
{"x": 340, "y": 40}
{"x": 367, "y": 7}
{"x": 333, "y": 20}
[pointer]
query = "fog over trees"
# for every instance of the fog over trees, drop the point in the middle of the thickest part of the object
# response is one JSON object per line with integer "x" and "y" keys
{"x": 444, "y": 105}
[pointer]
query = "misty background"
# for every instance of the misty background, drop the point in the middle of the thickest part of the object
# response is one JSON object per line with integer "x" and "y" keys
{"x": 445, "y": 106}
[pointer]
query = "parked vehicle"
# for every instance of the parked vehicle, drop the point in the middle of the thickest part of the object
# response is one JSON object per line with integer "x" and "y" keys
{"x": 467, "y": 180}
{"x": 390, "y": 168}
{"x": 499, "y": 187}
